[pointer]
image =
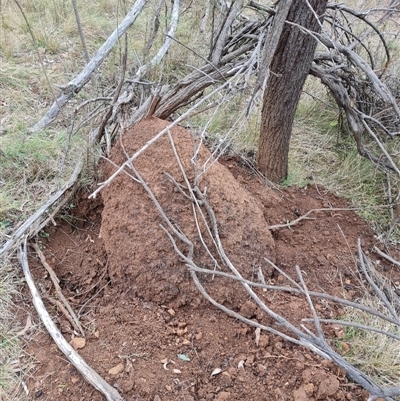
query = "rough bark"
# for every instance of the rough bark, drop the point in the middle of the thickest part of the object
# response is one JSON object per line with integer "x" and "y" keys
{"x": 289, "y": 68}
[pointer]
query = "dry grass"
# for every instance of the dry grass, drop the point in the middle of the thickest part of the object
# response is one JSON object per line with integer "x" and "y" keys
{"x": 375, "y": 354}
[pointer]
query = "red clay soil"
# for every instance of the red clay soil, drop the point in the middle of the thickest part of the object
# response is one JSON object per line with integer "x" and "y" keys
{"x": 138, "y": 303}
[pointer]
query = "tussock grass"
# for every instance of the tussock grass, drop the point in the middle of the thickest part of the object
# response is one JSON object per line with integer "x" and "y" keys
{"x": 373, "y": 353}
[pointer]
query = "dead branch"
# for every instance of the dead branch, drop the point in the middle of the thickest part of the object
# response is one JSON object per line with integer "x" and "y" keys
{"x": 83, "y": 78}
{"x": 80, "y": 30}
{"x": 379, "y": 292}
{"x": 357, "y": 326}
{"x": 91, "y": 376}
{"x": 386, "y": 256}
{"x": 68, "y": 311}
{"x": 168, "y": 40}
{"x": 28, "y": 227}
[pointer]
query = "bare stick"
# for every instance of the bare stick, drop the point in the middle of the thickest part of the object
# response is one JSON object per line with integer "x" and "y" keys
{"x": 310, "y": 304}
{"x": 79, "y": 81}
{"x": 378, "y": 292}
{"x": 356, "y": 325}
{"x": 387, "y": 257}
{"x": 63, "y": 310}
{"x": 167, "y": 43}
{"x": 56, "y": 281}
{"x": 91, "y": 376}
{"x": 304, "y": 217}
{"x": 80, "y": 30}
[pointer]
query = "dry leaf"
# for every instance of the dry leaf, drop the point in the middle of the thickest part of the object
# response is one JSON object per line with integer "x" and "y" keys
{"x": 78, "y": 343}
{"x": 116, "y": 369}
{"x": 258, "y": 332}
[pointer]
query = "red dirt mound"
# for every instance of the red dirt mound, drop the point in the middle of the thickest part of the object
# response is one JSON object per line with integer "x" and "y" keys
{"x": 142, "y": 315}
{"x": 141, "y": 256}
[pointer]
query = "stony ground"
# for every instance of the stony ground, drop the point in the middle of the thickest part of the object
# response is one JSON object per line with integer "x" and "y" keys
{"x": 149, "y": 332}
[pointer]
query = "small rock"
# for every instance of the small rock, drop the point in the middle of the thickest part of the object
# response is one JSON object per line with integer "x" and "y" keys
{"x": 222, "y": 396}
{"x": 128, "y": 385}
{"x": 181, "y": 332}
{"x": 77, "y": 343}
{"x": 328, "y": 387}
{"x": 344, "y": 346}
{"x": 198, "y": 336}
{"x": 226, "y": 378}
{"x": 264, "y": 341}
{"x": 248, "y": 309}
{"x": 74, "y": 379}
{"x": 250, "y": 359}
{"x": 261, "y": 369}
{"x": 116, "y": 369}
{"x": 278, "y": 346}
{"x": 171, "y": 312}
{"x": 300, "y": 395}
{"x": 157, "y": 398}
{"x": 309, "y": 389}
{"x": 339, "y": 331}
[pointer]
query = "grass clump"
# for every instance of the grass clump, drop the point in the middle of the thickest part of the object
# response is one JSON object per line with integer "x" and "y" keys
{"x": 375, "y": 354}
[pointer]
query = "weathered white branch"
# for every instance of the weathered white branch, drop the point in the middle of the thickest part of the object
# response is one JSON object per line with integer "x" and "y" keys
{"x": 91, "y": 376}
{"x": 26, "y": 226}
{"x": 79, "y": 81}
{"x": 167, "y": 43}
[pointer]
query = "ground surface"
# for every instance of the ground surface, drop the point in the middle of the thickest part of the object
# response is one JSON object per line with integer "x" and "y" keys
{"x": 140, "y": 308}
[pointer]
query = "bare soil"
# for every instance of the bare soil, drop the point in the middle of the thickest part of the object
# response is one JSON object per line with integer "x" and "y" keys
{"x": 141, "y": 310}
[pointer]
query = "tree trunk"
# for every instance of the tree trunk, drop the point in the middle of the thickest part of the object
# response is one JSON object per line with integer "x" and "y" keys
{"x": 289, "y": 69}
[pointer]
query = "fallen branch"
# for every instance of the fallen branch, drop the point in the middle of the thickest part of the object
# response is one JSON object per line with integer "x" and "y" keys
{"x": 91, "y": 376}
{"x": 68, "y": 311}
{"x": 26, "y": 227}
{"x": 304, "y": 217}
{"x": 78, "y": 82}
{"x": 387, "y": 257}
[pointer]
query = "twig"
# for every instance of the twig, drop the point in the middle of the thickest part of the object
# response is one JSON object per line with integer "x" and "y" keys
{"x": 304, "y": 217}
{"x": 310, "y": 304}
{"x": 166, "y": 45}
{"x": 377, "y": 290}
{"x": 387, "y": 257}
{"x": 64, "y": 311}
{"x": 356, "y": 325}
{"x": 80, "y": 30}
{"x": 91, "y": 376}
{"x": 72, "y": 316}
